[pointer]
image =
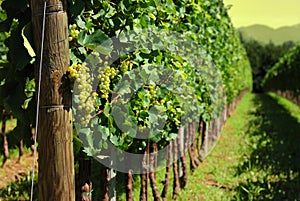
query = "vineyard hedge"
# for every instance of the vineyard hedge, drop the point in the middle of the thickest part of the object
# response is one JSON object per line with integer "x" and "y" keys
{"x": 206, "y": 23}
{"x": 283, "y": 77}
{"x": 111, "y": 39}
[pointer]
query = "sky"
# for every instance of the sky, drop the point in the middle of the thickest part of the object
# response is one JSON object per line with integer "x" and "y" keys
{"x": 274, "y": 13}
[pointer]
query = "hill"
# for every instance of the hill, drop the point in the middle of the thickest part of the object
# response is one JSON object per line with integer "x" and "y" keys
{"x": 264, "y": 34}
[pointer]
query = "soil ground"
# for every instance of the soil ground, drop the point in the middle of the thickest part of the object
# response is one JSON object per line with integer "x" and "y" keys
{"x": 15, "y": 169}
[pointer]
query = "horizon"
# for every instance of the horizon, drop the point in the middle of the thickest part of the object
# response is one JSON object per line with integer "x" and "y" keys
{"x": 257, "y": 24}
{"x": 265, "y": 12}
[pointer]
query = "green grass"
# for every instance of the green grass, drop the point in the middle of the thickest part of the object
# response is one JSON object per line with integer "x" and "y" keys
{"x": 257, "y": 156}
{"x": 215, "y": 178}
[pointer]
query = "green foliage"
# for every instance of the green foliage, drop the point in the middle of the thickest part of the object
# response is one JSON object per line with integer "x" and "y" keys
{"x": 262, "y": 57}
{"x": 203, "y": 23}
{"x": 108, "y": 38}
{"x": 284, "y": 75}
{"x": 17, "y": 74}
{"x": 92, "y": 23}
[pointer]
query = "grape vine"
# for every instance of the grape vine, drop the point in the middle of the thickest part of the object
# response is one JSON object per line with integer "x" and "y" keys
{"x": 93, "y": 23}
{"x": 134, "y": 70}
{"x": 283, "y": 76}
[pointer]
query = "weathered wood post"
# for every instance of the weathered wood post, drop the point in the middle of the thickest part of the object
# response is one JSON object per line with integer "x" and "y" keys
{"x": 55, "y": 147}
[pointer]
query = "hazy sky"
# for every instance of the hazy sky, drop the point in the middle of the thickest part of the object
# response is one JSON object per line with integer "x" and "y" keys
{"x": 274, "y": 13}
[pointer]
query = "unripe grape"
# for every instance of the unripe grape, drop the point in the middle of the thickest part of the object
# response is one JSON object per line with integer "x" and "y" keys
{"x": 95, "y": 53}
{"x": 130, "y": 65}
{"x": 74, "y": 26}
{"x": 104, "y": 96}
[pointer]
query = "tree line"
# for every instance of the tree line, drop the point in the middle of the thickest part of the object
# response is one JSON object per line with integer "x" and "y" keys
{"x": 263, "y": 57}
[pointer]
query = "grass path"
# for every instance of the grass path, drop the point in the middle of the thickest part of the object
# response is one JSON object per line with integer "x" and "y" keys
{"x": 257, "y": 156}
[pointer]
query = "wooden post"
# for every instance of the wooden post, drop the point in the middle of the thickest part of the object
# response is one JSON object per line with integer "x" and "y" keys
{"x": 55, "y": 147}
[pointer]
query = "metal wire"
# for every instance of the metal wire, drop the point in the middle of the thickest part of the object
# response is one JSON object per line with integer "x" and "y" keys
{"x": 59, "y": 5}
{"x": 38, "y": 101}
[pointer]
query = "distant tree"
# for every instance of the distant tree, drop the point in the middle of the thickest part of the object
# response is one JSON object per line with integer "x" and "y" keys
{"x": 262, "y": 57}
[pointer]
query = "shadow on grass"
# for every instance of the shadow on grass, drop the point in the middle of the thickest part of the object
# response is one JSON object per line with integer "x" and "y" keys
{"x": 271, "y": 172}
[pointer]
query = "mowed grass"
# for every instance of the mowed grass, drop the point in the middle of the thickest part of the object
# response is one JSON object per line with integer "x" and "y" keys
{"x": 257, "y": 156}
{"x": 216, "y": 177}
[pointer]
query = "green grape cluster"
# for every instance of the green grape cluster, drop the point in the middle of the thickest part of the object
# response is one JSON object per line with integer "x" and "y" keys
{"x": 155, "y": 99}
{"x": 105, "y": 79}
{"x": 73, "y": 32}
{"x": 95, "y": 58}
{"x": 152, "y": 90}
{"x": 153, "y": 95}
{"x": 73, "y": 71}
{"x": 85, "y": 95}
{"x": 126, "y": 66}
{"x": 167, "y": 100}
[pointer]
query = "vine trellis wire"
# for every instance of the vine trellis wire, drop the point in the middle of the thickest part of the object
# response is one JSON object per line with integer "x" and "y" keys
{"x": 38, "y": 100}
